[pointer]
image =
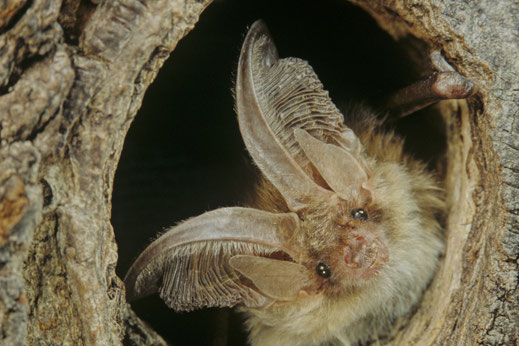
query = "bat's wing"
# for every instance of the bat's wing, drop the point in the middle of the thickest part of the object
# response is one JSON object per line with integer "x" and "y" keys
{"x": 221, "y": 258}
{"x": 276, "y": 96}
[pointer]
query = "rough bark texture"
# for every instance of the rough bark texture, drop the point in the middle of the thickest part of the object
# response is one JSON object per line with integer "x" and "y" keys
{"x": 72, "y": 77}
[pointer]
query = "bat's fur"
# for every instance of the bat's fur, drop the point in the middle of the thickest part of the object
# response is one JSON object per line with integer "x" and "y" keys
{"x": 407, "y": 203}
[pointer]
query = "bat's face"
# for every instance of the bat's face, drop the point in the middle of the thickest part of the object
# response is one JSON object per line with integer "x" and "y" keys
{"x": 344, "y": 242}
{"x": 341, "y": 220}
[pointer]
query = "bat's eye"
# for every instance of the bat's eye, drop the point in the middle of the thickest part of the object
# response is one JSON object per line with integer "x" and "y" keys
{"x": 323, "y": 270}
{"x": 359, "y": 214}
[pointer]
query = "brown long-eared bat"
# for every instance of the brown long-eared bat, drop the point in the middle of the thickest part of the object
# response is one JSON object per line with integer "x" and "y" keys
{"x": 342, "y": 235}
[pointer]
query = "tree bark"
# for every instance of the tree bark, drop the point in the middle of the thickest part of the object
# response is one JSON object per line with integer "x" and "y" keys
{"x": 72, "y": 78}
{"x": 73, "y": 75}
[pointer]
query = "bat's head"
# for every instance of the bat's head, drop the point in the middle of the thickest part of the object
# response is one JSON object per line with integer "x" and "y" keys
{"x": 331, "y": 234}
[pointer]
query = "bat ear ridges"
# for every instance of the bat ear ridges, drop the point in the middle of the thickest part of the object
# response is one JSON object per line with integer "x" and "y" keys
{"x": 256, "y": 81}
{"x": 189, "y": 264}
{"x": 275, "y": 96}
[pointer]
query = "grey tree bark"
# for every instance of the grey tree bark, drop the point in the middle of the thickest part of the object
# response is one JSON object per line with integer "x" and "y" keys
{"x": 72, "y": 77}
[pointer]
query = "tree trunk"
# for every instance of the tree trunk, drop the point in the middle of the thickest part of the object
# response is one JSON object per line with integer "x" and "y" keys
{"x": 73, "y": 75}
{"x": 72, "y": 78}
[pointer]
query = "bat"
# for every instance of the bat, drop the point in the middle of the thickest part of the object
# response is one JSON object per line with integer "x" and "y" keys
{"x": 341, "y": 236}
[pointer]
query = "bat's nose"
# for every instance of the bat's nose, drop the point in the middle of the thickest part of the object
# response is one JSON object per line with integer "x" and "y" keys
{"x": 364, "y": 253}
{"x": 359, "y": 253}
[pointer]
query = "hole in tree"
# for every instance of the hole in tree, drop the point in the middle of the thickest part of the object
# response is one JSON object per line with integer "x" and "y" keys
{"x": 184, "y": 154}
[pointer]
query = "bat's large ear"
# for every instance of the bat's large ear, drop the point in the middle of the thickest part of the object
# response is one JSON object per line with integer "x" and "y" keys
{"x": 221, "y": 258}
{"x": 275, "y": 96}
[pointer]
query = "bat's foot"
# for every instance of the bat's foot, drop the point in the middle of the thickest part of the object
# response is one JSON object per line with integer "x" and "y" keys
{"x": 438, "y": 86}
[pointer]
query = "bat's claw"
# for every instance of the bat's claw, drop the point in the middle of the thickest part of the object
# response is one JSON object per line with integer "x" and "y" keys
{"x": 452, "y": 85}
